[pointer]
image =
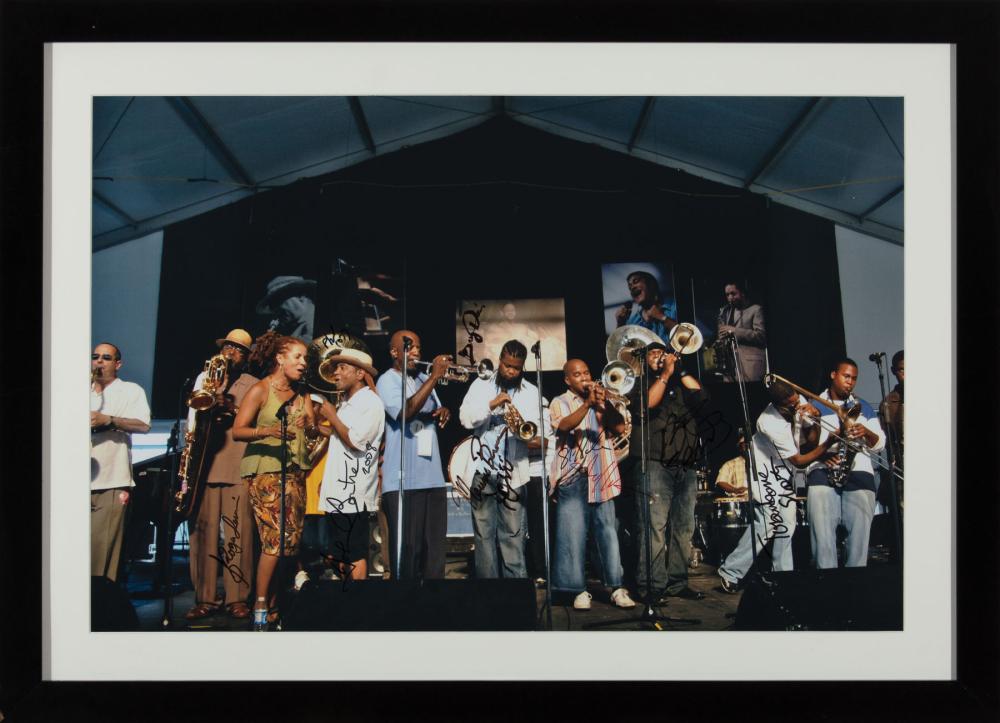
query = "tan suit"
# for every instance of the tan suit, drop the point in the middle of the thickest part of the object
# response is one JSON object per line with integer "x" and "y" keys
{"x": 225, "y": 504}
{"x": 751, "y": 334}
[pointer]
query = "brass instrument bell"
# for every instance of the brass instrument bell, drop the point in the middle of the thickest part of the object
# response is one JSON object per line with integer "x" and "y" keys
{"x": 216, "y": 375}
{"x": 686, "y": 338}
{"x": 625, "y": 340}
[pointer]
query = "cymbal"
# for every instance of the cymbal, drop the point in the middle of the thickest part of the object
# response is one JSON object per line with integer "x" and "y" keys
{"x": 626, "y": 338}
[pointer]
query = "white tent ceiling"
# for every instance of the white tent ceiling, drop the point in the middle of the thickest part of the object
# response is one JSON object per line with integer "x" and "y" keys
{"x": 160, "y": 160}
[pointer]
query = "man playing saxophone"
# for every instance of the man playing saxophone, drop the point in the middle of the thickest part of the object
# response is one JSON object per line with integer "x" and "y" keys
{"x": 503, "y": 413}
{"x": 851, "y": 502}
{"x": 225, "y": 501}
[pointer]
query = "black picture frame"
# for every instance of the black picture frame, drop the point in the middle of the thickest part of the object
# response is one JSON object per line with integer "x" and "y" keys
{"x": 973, "y": 28}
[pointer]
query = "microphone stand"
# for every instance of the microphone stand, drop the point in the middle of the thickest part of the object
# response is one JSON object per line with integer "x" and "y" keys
{"x": 537, "y": 351}
{"x": 407, "y": 342}
{"x": 894, "y": 460}
{"x": 282, "y": 415}
{"x": 649, "y": 615}
{"x": 167, "y": 558}
{"x": 748, "y": 432}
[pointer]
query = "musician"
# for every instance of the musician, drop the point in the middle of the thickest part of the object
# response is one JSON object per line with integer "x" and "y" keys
{"x": 289, "y": 300}
{"x": 348, "y": 493}
{"x": 586, "y": 479}
{"x": 853, "y": 504}
{"x": 502, "y": 468}
{"x": 892, "y": 405}
{"x": 425, "y": 512}
{"x": 258, "y": 423}
{"x": 118, "y": 410}
{"x": 651, "y": 312}
{"x": 225, "y": 501}
{"x": 745, "y": 321}
{"x": 675, "y": 398}
{"x": 732, "y": 477}
{"x": 779, "y": 446}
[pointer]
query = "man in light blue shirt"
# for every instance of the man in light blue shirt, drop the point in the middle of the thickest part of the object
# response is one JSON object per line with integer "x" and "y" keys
{"x": 425, "y": 518}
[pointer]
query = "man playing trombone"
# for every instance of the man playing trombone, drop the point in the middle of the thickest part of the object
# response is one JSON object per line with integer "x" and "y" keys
{"x": 425, "y": 515}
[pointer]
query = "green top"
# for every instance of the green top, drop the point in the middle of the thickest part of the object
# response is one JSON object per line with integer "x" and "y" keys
{"x": 264, "y": 455}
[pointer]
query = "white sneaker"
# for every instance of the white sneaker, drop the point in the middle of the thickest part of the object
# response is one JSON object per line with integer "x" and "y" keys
{"x": 582, "y": 601}
{"x": 621, "y": 599}
{"x": 301, "y": 578}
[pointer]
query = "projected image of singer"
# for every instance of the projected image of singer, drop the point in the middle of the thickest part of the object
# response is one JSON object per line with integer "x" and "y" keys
{"x": 745, "y": 321}
{"x": 650, "y": 310}
{"x": 289, "y": 301}
{"x": 503, "y": 413}
{"x": 117, "y": 410}
{"x": 425, "y": 516}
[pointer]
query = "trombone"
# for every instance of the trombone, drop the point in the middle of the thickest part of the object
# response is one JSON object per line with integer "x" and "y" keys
{"x": 843, "y": 415}
{"x": 460, "y": 373}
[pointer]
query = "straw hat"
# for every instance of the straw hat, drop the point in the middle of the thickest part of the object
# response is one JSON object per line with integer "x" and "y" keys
{"x": 238, "y": 337}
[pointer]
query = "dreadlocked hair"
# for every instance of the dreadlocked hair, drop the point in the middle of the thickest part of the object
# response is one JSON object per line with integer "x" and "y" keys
{"x": 266, "y": 349}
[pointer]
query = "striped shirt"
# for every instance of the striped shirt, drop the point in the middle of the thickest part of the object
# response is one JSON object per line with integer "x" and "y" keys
{"x": 584, "y": 449}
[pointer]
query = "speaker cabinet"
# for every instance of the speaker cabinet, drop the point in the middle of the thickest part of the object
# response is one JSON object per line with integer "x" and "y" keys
{"x": 856, "y": 598}
{"x": 411, "y": 605}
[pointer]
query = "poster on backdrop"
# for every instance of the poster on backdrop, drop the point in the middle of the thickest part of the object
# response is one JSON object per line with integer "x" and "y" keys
{"x": 483, "y": 326}
{"x": 724, "y": 308}
{"x": 640, "y": 293}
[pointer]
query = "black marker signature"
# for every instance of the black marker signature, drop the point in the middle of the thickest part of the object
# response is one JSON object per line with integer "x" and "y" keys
{"x": 471, "y": 323}
{"x": 233, "y": 548}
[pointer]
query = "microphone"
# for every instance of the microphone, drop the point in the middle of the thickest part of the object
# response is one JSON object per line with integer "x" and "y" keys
{"x": 874, "y": 357}
{"x": 536, "y": 348}
{"x": 283, "y": 409}
{"x": 407, "y": 342}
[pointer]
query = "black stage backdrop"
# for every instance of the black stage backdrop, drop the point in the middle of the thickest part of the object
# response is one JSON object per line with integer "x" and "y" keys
{"x": 500, "y": 211}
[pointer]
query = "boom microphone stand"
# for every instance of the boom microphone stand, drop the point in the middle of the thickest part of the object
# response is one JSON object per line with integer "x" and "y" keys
{"x": 894, "y": 457}
{"x": 537, "y": 351}
{"x": 649, "y": 615}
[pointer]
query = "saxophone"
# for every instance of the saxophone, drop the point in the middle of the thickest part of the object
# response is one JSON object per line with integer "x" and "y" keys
{"x": 198, "y": 433}
{"x": 845, "y": 453}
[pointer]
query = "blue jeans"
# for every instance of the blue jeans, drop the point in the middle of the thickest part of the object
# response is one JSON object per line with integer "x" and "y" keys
{"x": 574, "y": 517}
{"x": 737, "y": 563}
{"x": 827, "y": 507}
{"x": 498, "y": 521}
{"x": 673, "y": 492}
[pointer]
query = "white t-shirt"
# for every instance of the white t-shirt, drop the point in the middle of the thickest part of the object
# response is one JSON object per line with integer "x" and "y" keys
{"x": 111, "y": 451}
{"x": 475, "y": 414}
{"x": 775, "y": 440}
{"x": 350, "y": 480}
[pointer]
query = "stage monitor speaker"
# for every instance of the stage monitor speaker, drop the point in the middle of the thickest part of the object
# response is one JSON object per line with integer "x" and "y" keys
{"x": 379, "y": 605}
{"x": 856, "y": 598}
{"x": 110, "y": 609}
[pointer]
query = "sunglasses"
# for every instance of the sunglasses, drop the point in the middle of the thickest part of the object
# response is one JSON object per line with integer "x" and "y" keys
{"x": 105, "y": 357}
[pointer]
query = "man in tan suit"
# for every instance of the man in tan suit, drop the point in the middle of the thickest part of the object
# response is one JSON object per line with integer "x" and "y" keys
{"x": 224, "y": 499}
{"x": 745, "y": 321}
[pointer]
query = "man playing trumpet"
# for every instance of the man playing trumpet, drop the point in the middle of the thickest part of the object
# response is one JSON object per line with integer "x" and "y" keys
{"x": 425, "y": 514}
{"x": 491, "y": 408}
{"x": 585, "y": 475}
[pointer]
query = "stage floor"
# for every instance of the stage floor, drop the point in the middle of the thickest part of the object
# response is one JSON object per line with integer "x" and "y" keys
{"x": 715, "y": 612}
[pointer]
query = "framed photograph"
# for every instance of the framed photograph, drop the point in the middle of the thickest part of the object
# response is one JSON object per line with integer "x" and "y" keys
{"x": 221, "y": 187}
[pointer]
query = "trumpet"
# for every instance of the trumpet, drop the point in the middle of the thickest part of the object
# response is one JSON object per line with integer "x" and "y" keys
{"x": 516, "y": 423}
{"x": 459, "y": 373}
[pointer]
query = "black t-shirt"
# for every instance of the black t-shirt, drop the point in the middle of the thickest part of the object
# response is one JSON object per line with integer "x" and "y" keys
{"x": 673, "y": 425}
